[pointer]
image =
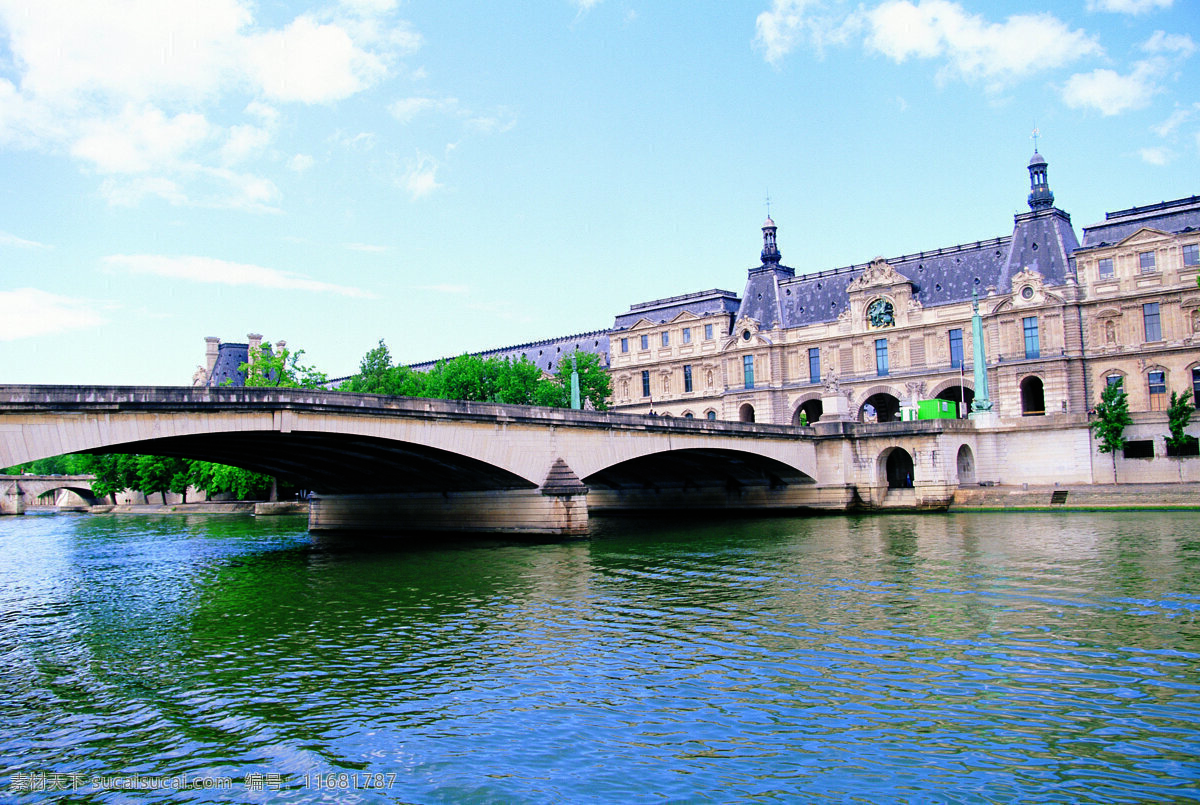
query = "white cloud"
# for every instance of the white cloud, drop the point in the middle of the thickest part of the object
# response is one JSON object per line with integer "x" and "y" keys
{"x": 1156, "y": 155}
{"x": 1109, "y": 92}
{"x": 790, "y": 22}
{"x": 420, "y": 177}
{"x": 301, "y": 163}
{"x": 1169, "y": 126}
{"x": 1128, "y": 6}
{"x": 8, "y": 239}
{"x": 973, "y": 48}
{"x": 29, "y": 312}
{"x": 223, "y": 272}
{"x": 406, "y": 109}
{"x": 170, "y": 89}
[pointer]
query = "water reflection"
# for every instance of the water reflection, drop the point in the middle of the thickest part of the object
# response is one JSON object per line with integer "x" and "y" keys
{"x": 946, "y": 657}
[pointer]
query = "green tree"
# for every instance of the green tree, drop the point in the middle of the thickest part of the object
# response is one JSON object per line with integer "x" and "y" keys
{"x": 594, "y": 384}
{"x": 155, "y": 473}
{"x": 1179, "y": 414}
{"x": 115, "y": 472}
{"x": 218, "y": 479}
{"x": 281, "y": 369}
{"x": 1112, "y": 416}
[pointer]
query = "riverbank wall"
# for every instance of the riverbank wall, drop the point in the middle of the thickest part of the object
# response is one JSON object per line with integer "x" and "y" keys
{"x": 261, "y": 509}
{"x": 1080, "y": 497}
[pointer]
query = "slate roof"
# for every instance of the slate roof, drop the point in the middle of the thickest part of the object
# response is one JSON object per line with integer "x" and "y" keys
{"x": 545, "y": 354}
{"x": 1180, "y": 215}
{"x": 229, "y": 357}
{"x": 1041, "y": 240}
{"x": 659, "y": 311}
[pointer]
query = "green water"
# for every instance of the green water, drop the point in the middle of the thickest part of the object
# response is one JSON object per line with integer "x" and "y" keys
{"x": 1050, "y": 657}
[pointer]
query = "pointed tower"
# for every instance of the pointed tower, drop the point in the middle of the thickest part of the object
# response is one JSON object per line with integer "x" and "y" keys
{"x": 770, "y": 251}
{"x": 1040, "y": 197}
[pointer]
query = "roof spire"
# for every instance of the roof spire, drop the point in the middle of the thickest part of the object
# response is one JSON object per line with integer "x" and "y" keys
{"x": 770, "y": 251}
{"x": 1040, "y": 197}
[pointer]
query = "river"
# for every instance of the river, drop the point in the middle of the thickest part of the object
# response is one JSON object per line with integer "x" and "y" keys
{"x": 1048, "y": 657}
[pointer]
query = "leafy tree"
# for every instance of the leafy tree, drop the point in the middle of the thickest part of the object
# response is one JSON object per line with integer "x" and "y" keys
{"x": 218, "y": 479}
{"x": 115, "y": 472}
{"x": 1179, "y": 414}
{"x": 155, "y": 473}
{"x": 1112, "y": 416}
{"x": 70, "y": 464}
{"x": 281, "y": 370}
{"x": 594, "y": 384}
{"x": 377, "y": 375}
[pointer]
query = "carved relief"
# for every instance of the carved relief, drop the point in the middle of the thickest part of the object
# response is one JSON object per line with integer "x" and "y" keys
{"x": 880, "y": 314}
{"x": 878, "y": 273}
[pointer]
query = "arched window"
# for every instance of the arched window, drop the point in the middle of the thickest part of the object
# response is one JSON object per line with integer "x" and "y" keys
{"x": 711, "y": 416}
{"x": 1033, "y": 398}
{"x": 746, "y": 413}
{"x": 1156, "y": 386}
{"x": 966, "y": 465}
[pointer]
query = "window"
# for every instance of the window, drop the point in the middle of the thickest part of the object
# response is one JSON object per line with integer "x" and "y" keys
{"x": 1146, "y": 262}
{"x": 687, "y": 335}
{"x": 1105, "y": 266}
{"x": 814, "y": 365}
{"x": 748, "y": 371}
{"x": 956, "y": 352}
{"x": 1113, "y": 380}
{"x": 1196, "y": 387}
{"x": 1151, "y": 320}
{"x": 1142, "y": 448}
{"x": 881, "y": 358}
{"x": 708, "y": 335}
{"x": 666, "y": 339}
{"x": 687, "y": 378}
{"x": 624, "y": 344}
{"x": 645, "y": 342}
{"x": 646, "y": 383}
{"x": 1157, "y": 382}
{"x": 1032, "y": 347}
{"x": 711, "y": 415}
{"x": 1191, "y": 254}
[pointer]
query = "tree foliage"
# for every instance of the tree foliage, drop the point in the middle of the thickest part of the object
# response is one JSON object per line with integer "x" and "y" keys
{"x": 1112, "y": 416}
{"x": 482, "y": 379}
{"x": 1179, "y": 414}
{"x": 281, "y": 369}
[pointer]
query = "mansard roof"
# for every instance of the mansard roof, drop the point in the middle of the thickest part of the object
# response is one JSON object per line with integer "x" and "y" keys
{"x": 1180, "y": 215}
{"x": 660, "y": 311}
{"x": 545, "y": 354}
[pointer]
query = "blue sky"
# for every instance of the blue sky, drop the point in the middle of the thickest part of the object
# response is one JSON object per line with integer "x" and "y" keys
{"x": 457, "y": 176}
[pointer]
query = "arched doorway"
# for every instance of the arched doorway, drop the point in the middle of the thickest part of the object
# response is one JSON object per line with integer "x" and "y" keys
{"x": 1033, "y": 397}
{"x": 812, "y": 410}
{"x": 958, "y": 394}
{"x": 898, "y": 468}
{"x": 966, "y": 465}
{"x": 886, "y": 407}
{"x": 746, "y": 413}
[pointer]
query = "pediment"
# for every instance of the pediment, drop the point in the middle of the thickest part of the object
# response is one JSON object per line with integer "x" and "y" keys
{"x": 1144, "y": 235}
{"x": 878, "y": 274}
{"x": 685, "y": 315}
{"x": 642, "y": 324}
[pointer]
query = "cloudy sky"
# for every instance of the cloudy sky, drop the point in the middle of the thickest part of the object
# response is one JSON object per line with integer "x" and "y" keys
{"x": 456, "y": 176}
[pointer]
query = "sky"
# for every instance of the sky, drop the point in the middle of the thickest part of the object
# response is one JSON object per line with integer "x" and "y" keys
{"x": 450, "y": 176}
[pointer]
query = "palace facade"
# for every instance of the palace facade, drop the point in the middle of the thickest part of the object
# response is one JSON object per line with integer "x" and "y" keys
{"x": 1060, "y": 319}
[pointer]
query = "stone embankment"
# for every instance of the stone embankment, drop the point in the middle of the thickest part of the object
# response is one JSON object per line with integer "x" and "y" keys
{"x": 1077, "y": 496}
{"x": 231, "y": 507}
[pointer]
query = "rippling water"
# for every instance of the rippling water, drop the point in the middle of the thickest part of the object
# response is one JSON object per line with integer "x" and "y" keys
{"x": 933, "y": 658}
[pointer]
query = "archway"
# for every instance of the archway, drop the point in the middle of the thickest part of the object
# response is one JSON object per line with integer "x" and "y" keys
{"x": 898, "y": 468}
{"x": 966, "y": 465}
{"x": 886, "y": 407}
{"x": 1033, "y": 398}
{"x": 746, "y": 413}
{"x": 812, "y": 410}
{"x": 958, "y": 394}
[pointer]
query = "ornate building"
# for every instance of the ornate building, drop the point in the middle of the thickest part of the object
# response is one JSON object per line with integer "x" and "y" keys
{"x": 1059, "y": 319}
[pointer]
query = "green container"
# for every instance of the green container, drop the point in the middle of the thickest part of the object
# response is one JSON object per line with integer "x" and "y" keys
{"x": 937, "y": 409}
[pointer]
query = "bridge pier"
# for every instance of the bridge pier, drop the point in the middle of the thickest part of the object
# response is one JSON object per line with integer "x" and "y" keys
{"x": 11, "y": 500}
{"x": 512, "y": 511}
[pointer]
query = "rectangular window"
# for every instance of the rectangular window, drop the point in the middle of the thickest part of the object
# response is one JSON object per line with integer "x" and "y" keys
{"x": 687, "y": 335}
{"x": 1157, "y": 382}
{"x": 645, "y": 382}
{"x": 1032, "y": 347}
{"x": 1142, "y": 448}
{"x": 624, "y": 344}
{"x": 748, "y": 371}
{"x": 1151, "y": 321}
{"x": 1146, "y": 262}
{"x": 1191, "y": 254}
{"x": 814, "y": 365}
{"x": 666, "y": 339}
{"x": 881, "y": 358}
{"x": 956, "y": 352}
{"x": 708, "y": 332}
{"x": 687, "y": 378}
{"x": 645, "y": 342}
{"x": 1196, "y": 387}
{"x": 1105, "y": 267}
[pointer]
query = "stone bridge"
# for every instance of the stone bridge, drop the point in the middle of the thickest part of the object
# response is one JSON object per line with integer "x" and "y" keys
{"x": 20, "y": 491}
{"x": 393, "y": 463}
